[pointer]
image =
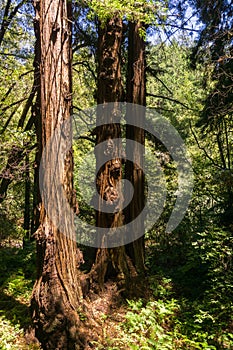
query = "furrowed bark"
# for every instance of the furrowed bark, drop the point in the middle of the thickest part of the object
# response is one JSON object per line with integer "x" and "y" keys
{"x": 57, "y": 292}
{"x": 136, "y": 94}
{"x": 110, "y": 262}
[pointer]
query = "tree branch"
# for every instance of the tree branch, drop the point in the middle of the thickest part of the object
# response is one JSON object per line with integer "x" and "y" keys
{"x": 203, "y": 149}
{"x": 27, "y": 106}
{"x": 7, "y": 18}
{"x": 8, "y": 120}
{"x": 12, "y": 86}
{"x": 171, "y": 99}
{"x": 87, "y": 65}
{"x": 87, "y": 138}
{"x": 153, "y": 73}
{"x": 13, "y": 104}
{"x": 15, "y": 157}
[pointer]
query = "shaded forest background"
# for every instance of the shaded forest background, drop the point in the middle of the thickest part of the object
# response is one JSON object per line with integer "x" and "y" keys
{"x": 184, "y": 299}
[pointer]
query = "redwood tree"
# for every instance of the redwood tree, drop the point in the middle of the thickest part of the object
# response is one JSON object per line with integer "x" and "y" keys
{"x": 57, "y": 291}
{"x": 136, "y": 95}
{"x": 109, "y": 262}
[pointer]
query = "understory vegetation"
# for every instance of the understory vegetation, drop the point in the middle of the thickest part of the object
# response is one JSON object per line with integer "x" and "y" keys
{"x": 187, "y": 304}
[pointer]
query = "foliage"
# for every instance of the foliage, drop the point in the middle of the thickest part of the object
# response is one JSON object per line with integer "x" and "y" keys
{"x": 214, "y": 50}
{"x": 171, "y": 320}
{"x": 17, "y": 274}
{"x": 143, "y": 11}
{"x": 16, "y": 75}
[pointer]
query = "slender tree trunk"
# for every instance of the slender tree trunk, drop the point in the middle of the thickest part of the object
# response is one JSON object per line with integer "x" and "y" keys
{"x": 109, "y": 262}
{"x": 36, "y": 113}
{"x": 16, "y": 156}
{"x": 136, "y": 94}
{"x": 35, "y": 222}
{"x": 27, "y": 190}
{"x": 57, "y": 291}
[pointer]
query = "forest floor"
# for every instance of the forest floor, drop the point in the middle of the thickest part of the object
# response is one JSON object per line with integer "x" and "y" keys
{"x": 169, "y": 313}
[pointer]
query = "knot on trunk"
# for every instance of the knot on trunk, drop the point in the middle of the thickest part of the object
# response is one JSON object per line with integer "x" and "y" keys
{"x": 109, "y": 147}
{"x": 111, "y": 196}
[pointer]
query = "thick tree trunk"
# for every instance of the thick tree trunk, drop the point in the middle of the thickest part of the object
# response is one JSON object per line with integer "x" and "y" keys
{"x": 109, "y": 262}
{"x": 57, "y": 291}
{"x": 135, "y": 94}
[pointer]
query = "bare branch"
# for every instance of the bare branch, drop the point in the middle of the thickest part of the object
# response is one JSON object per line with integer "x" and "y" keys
{"x": 13, "y": 104}
{"x": 153, "y": 73}
{"x": 172, "y": 100}
{"x": 12, "y": 86}
{"x": 8, "y": 120}
{"x": 27, "y": 106}
{"x": 87, "y": 138}
{"x": 87, "y": 65}
{"x": 203, "y": 148}
{"x": 8, "y": 17}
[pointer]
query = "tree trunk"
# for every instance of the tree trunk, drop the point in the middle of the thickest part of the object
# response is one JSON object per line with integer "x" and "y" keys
{"x": 27, "y": 190}
{"x": 35, "y": 222}
{"x": 136, "y": 88}
{"x": 36, "y": 113}
{"x": 109, "y": 262}
{"x": 17, "y": 154}
{"x": 57, "y": 291}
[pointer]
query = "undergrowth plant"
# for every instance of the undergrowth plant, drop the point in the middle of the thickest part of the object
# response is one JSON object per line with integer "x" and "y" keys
{"x": 17, "y": 273}
{"x": 171, "y": 321}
